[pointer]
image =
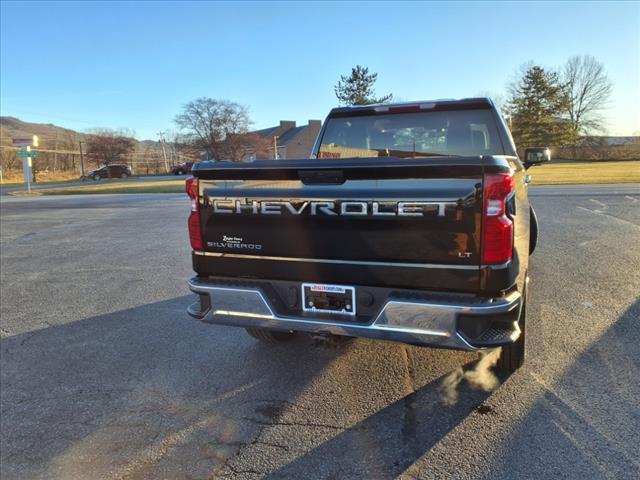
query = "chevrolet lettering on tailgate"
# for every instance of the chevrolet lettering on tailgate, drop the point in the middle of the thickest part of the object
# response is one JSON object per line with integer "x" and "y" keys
{"x": 364, "y": 208}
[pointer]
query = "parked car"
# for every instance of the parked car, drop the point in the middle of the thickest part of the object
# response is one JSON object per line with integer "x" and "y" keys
{"x": 182, "y": 168}
{"x": 110, "y": 171}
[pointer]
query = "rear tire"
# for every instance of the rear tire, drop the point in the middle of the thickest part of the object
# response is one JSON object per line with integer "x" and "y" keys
{"x": 533, "y": 230}
{"x": 124, "y": 175}
{"x": 96, "y": 178}
{"x": 270, "y": 336}
{"x": 512, "y": 356}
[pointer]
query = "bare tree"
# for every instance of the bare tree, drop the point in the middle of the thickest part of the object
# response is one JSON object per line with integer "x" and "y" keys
{"x": 151, "y": 158}
{"x": 589, "y": 89}
{"x": 70, "y": 143}
{"x": 8, "y": 159}
{"x": 249, "y": 146}
{"x": 181, "y": 149}
{"x": 109, "y": 146}
{"x": 214, "y": 126}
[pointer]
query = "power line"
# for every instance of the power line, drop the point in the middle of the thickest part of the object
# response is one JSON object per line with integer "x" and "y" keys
{"x": 164, "y": 152}
{"x": 78, "y": 152}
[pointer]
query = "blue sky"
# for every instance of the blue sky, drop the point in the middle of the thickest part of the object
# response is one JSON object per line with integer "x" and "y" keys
{"x": 88, "y": 64}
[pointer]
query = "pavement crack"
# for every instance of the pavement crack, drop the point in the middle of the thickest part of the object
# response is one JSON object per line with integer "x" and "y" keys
{"x": 270, "y": 444}
{"x": 158, "y": 430}
{"x": 292, "y": 424}
{"x": 264, "y": 424}
{"x": 27, "y": 338}
{"x": 227, "y": 464}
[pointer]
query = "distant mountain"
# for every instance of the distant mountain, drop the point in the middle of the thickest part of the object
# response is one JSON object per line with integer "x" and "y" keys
{"x": 50, "y": 135}
{"x": 59, "y": 147}
{"x": 47, "y": 132}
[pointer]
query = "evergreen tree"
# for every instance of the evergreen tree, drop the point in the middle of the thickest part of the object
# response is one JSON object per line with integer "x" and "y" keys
{"x": 538, "y": 104}
{"x": 357, "y": 89}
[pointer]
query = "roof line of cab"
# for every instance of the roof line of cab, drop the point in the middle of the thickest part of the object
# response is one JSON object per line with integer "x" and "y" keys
{"x": 440, "y": 104}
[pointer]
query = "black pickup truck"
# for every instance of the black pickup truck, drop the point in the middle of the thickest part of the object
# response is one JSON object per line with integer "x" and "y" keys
{"x": 410, "y": 222}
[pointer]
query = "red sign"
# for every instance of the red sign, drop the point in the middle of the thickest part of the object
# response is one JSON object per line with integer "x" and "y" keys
{"x": 27, "y": 140}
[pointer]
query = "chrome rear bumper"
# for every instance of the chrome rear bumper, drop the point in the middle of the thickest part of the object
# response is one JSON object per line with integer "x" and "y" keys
{"x": 415, "y": 322}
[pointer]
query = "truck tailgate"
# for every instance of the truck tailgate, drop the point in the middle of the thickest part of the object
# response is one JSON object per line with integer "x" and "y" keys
{"x": 385, "y": 221}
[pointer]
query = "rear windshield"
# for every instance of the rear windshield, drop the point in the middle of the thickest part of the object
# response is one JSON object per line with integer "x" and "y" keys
{"x": 415, "y": 134}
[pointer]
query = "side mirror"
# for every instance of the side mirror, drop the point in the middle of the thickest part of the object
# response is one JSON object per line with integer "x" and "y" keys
{"x": 536, "y": 156}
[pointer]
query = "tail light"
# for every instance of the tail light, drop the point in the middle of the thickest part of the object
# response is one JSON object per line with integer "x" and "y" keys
{"x": 497, "y": 225}
{"x": 195, "y": 232}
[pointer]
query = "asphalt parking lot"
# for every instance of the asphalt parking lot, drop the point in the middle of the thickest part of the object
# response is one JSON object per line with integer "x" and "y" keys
{"x": 103, "y": 375}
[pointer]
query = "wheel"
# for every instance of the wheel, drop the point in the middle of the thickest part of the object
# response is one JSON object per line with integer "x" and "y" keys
{"x": 512, "y": 356}
{"x": 96, "y": 178}
{"x": 533, "y": 230}
{"x": 270, "y": 336}
{"x": 123, "y": 175}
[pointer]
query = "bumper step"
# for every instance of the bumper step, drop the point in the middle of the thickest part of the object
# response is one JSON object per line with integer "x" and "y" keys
{"x": 497, "y": 336}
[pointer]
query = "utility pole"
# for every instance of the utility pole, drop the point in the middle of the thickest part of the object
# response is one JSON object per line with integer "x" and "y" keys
{"x": 275, "y": 147}
{"x": 55, "y": 154}
{"x": 164, "y": 152}
{"x": 174, "y": 155}
{"x": 81, "y": 161}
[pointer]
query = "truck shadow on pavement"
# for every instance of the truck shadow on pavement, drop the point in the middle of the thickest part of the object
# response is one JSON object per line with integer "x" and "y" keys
{"x": 586, "y": 424}
{"x": 146, "y": 391}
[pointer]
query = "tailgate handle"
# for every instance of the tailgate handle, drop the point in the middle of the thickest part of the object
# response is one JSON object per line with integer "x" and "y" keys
{"x": 321, "y": 177}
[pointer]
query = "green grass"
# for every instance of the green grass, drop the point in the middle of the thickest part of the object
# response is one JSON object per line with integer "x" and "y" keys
{"x": 586, "y": 172}
{"x": 168, "y": 186}
{"x": 15, "y": 183}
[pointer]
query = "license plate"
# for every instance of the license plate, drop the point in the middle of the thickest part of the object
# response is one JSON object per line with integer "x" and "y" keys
{"x": 328, "y": 298}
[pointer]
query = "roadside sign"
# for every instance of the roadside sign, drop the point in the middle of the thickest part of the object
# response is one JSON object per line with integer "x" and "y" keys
{"x": 26, "y": 141}
{"x": 25, "y": 153}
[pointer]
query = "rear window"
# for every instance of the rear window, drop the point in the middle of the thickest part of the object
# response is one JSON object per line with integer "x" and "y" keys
{"x": 415, "y": 134}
